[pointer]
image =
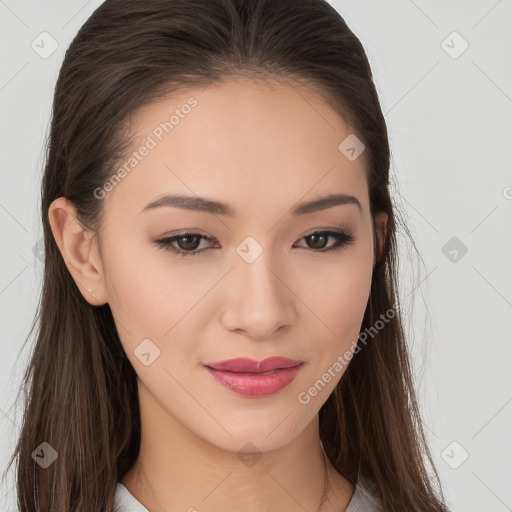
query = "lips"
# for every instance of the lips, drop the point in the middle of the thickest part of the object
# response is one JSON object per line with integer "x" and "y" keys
{"x": 251, "y": 378}
{"x": 243, "y": 365}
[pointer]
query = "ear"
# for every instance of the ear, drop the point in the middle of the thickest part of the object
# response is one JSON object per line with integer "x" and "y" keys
{"x": 79, "y": 250}
{"x": 380, "y": 222}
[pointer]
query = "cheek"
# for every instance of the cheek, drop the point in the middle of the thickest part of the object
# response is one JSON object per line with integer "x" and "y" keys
{"x": 342, "y": 293}
{"x": 338, "y": 299}
{"x": 148, "y": 294}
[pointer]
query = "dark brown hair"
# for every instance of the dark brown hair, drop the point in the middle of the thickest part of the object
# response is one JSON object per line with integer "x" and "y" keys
{"x": 80, "y": 390}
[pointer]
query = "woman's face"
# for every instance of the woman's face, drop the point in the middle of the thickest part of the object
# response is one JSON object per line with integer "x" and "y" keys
{"x": 256, "y": 284}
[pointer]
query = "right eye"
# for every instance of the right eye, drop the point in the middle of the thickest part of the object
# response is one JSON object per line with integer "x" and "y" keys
{"x": 187, "y": 243}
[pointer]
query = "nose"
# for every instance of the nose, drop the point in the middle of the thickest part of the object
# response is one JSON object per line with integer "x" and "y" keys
{"x": 259, "y": 299}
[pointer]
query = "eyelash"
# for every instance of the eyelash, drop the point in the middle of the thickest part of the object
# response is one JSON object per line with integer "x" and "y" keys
{"x": 343, "y": 239}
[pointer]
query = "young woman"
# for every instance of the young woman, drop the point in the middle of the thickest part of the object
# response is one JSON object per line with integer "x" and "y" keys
{"x": 219, "y": 326}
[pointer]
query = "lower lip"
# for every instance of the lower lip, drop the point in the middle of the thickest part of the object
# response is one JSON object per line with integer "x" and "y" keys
{"x": 255, "y": 384}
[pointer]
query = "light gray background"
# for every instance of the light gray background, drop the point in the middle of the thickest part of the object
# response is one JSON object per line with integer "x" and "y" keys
{"x": 449, "y": 119}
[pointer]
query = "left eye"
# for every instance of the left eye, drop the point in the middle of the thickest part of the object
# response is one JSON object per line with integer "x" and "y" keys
{"x": 188, "y": 242}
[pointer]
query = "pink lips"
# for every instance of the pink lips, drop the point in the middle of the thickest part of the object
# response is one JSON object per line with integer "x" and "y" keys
{"x": 255, "y": 378}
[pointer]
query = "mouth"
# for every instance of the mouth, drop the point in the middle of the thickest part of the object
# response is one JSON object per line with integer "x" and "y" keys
{"x": 252, "y": 378}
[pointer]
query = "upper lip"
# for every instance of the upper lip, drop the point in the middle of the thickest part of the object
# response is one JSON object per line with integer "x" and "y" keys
{"x": 251, "y": 366}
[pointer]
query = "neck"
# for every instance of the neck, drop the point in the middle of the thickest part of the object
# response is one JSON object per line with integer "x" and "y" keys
{"x": 177, "y": 470}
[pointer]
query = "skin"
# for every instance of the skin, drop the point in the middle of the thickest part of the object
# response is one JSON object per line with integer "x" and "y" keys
{"x": 262, "y": 149}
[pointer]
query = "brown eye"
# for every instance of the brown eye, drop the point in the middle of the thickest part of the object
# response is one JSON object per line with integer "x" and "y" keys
{"x": 318, "y": 240}
{"x": 187, "y": 244}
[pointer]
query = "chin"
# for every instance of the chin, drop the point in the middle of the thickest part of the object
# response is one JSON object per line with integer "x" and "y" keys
{"x": 265, "y": 433}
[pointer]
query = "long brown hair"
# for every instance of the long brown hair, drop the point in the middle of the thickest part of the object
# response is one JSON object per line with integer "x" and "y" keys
{"x": 80, "y": 390}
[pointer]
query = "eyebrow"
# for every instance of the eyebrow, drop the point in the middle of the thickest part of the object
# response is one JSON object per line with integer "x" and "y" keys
{"x": 203, "y": 204}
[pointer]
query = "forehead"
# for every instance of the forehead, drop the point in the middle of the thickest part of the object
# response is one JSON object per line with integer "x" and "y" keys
{"x": 250, "y": 144}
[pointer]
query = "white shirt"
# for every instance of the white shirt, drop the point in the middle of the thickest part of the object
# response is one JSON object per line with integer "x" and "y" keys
{"x": 363, "y": 500}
